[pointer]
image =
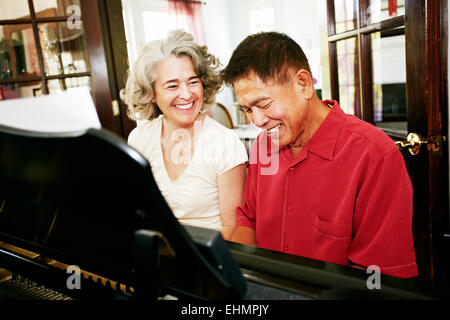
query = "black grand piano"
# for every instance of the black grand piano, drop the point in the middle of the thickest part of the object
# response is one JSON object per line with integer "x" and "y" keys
{"x": 81, "y": 217}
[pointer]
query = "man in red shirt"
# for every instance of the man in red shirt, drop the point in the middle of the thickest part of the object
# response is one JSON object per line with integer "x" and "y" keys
{"x": 321, "y": 184}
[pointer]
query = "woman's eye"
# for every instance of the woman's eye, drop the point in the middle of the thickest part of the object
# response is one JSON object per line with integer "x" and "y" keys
{"x": 246, "y": 109}
{"x": 194, "y": 82}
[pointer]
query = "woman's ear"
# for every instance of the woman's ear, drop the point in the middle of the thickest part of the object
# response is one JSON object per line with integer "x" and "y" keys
{"x": 304, "y": 79}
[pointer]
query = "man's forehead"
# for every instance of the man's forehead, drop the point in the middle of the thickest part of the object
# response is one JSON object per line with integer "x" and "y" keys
{"x": 249, "y": 90}
{"x": 248, "y": 77}
{"x": 249, "y": 84}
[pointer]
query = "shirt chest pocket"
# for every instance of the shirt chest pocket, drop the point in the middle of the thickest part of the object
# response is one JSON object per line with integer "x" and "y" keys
{"x": 330, "y": 241}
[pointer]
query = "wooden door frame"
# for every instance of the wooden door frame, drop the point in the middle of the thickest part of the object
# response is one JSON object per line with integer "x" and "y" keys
{"x": 425, "y": 25}
{"x": 119, "y": 63}
{"x": 427, "y": 105}
{"x": 108, "y": 57}
{"x": 444, "y": 98}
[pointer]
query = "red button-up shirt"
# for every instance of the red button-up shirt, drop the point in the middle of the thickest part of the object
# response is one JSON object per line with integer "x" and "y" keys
{"x": 346, "y": 198}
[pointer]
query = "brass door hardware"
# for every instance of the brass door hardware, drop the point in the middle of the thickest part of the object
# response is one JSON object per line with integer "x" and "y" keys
{"x": 414, "y": 141}
{"x": 115, "y": 108}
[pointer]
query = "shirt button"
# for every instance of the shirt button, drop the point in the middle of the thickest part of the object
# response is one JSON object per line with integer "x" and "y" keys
{"x": 286, "y": 248}
{"x": 289, "y": 207}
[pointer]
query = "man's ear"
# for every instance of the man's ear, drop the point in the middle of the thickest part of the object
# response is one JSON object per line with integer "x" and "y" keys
{"x": 304, "y": 79}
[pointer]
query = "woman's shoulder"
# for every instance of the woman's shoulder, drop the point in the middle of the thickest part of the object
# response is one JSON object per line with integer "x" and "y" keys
{"x": 225, "y": 145}
{"x": 214, "y": 125}
{"x": 222, "y": 137}
{"x": 144, "y": 128}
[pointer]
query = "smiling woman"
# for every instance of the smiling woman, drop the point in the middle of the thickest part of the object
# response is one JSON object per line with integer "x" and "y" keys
{"x": 178, "y": 91}
{"x": 197, "y": 163}
{"x": 139, "y": 92}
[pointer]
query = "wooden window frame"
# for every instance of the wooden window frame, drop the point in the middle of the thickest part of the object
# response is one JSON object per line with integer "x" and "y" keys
{"x": 364, "y": 106}
{"x": 34, "y": 21}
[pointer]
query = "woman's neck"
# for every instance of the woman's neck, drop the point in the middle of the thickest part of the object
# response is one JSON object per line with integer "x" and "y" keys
{"x": 168, "y": 127}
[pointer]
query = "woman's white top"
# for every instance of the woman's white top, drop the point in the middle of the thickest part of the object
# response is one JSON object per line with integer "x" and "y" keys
{"x": 193, "y": 196}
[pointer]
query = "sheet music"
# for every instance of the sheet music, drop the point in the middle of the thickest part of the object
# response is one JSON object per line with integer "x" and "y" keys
{"x": 68, "y": 111}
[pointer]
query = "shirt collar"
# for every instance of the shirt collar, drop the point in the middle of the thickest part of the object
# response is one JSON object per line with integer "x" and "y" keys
{"x": 324, "y": 140}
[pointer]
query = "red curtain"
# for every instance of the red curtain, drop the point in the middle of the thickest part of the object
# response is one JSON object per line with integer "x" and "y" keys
{"x": 392, "y": 6}
{"x": 188, "y": 15}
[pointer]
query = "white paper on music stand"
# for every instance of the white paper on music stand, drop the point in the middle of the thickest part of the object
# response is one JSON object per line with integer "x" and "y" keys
{"x": 68, "y": 111}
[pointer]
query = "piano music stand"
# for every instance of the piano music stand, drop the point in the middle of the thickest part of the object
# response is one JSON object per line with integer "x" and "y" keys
{"x": 88, "y": 199}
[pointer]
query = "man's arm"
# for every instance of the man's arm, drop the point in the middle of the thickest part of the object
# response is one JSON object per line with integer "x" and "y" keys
{"x": 244, "y": 235}
{"x": 382, "y": 221}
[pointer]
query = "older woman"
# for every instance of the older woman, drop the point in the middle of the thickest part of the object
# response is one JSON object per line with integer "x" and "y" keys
{"x": 198, "y": 164}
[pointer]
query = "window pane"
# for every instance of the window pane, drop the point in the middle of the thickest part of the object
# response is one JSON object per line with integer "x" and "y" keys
{"x": 389, "y": 79}
{"x": 20, "y": 90}
{"x": 58, "y": 85}
{"x": 161, "y": 19}
{"x": 348, "y": 74}
{"x": 14, "y": 9}
{"x": 379, "y": 10}
{"x": 345, "y": 15}
{"x": 18, "y": 56}
{"x": 55, "y": 8}
{"x": 262, "y": 19}
{"x": 63, "y": 49}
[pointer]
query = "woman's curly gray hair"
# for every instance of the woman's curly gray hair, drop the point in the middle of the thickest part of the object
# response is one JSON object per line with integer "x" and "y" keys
{"x": 138, "y": 92}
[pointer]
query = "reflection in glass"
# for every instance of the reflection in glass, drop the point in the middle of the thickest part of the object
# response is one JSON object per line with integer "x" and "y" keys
{"x": 389, "y": 81}
{"x": 348, "y": 74}
{"x": 16, "y": 9}
{"x": 379, "y": 10}
{"x": 58, "y": 85}
{"x": 54, "y": 8}
{"x": 20, "y": 90}
{"x": 18, "y": 56}
{"x": 345, "y": 15}
{"x": 63, "y": 49}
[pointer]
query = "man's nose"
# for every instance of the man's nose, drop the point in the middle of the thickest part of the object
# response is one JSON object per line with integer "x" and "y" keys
{"x": 185, "y": 93}
{"x": 259, "y": 117}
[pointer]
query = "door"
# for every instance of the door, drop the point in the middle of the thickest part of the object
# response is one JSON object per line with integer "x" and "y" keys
{"x": 388, "y": 66}
{"x": 106, "y": 44}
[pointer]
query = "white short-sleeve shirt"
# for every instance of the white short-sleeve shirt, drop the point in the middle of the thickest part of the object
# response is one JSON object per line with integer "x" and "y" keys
{"x": 193, "y": 196}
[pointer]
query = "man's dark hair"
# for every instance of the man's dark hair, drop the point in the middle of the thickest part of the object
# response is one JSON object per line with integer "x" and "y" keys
{"x": 270, "y": 55}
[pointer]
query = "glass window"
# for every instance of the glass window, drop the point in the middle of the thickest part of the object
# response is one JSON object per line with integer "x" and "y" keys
{"x": 63, "y": 49}
{"x": 20, "y": 90}
{"x": 18, "y": 56}
{"x": 168, "y": 18}
{"x": 262, "y": 19}
{"x": 159, "y": 18}
{"x": 348, "y": 74}
{"x": 58, "y": 85}
{"x": 56, "y": 8}
{"x": 16, "y": 9}
{"x": 379, "y": 10}
{"x": 389, "y": 81}
{"x": 345, "y": 15}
